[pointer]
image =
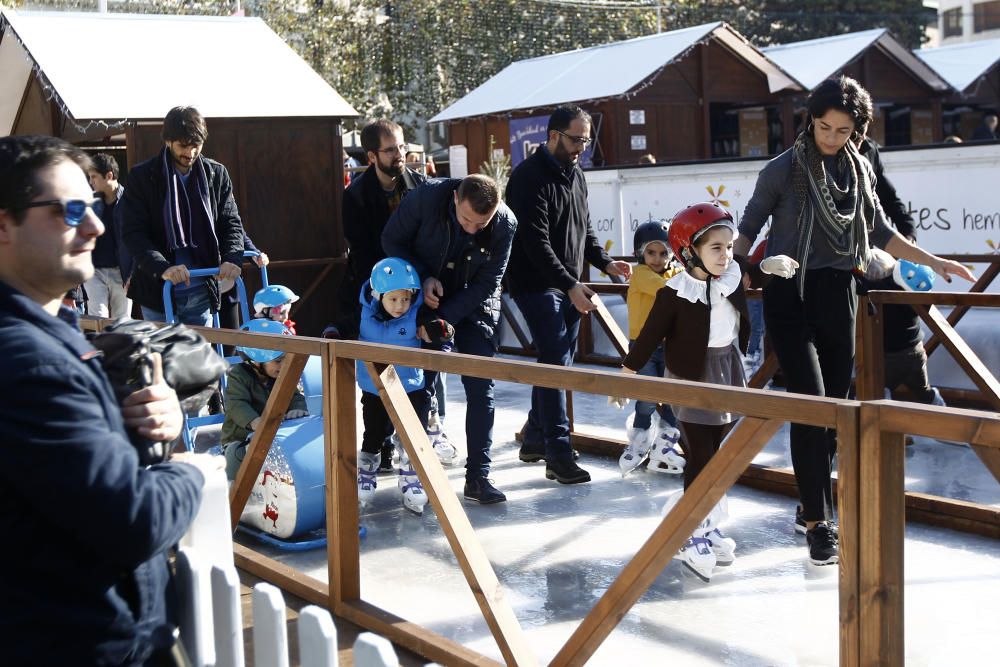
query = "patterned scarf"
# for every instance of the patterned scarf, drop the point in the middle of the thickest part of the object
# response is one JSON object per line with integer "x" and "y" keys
{"x": 180, "y": 217}
{"x": 844, "y": 217}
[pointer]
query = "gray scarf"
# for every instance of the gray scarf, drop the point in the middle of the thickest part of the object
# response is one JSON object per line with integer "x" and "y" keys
{"x": 844, "y": 217}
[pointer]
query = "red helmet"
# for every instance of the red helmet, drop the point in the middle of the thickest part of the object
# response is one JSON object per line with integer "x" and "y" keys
{"x": 693, "y": 221}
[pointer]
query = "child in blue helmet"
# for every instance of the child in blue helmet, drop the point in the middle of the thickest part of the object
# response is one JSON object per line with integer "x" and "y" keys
{"x": 390, "y": 303}
{"x": 248, "y": 387}
{"x": 903, "y": 340}
{"x": 650, "y": 432}
{"x": 274, "y": 302}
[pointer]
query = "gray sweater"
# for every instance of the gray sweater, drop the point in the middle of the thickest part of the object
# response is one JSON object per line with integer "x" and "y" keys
{"x": 774, "y": 197}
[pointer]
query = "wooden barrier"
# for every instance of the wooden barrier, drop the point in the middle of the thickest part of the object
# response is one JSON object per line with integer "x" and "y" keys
{"x": 871, "y": 505}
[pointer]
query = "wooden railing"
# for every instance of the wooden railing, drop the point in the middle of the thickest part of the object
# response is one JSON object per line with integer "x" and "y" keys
{"x": 871, "y": 507}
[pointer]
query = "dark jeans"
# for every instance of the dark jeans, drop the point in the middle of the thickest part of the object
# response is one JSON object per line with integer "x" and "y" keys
{"x": 756, "y": 309}
{"x": 479, "y": 405}
{"x": 643, "y": 409}
{"x": 378, "y": 426}
{"x": 814, "y": 341}
{"x": 190, "y": 307}
{"x": 554, "y": 324}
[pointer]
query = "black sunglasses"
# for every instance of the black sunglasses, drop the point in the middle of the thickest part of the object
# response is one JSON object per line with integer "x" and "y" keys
{"x": 73, "y": 209}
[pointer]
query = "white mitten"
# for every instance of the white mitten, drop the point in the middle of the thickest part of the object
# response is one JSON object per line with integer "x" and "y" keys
{"x": 618, "y": 401}
{"x": 782, "y": 266}
{"x": 296, "y": 414}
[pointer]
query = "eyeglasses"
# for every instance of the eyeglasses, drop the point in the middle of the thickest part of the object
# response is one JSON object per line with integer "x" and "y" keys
{"x": 393, "y": 150}
{"x": 579, "y": 141}
{"x": 73, "y": 209}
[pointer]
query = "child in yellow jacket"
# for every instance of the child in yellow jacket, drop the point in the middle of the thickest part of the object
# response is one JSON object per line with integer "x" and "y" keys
{"x": 645, "y": 438}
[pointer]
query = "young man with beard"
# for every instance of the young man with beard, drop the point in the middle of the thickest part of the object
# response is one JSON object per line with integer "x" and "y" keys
{"x": 548, "y": 194}
{"x": 179, "y": 213}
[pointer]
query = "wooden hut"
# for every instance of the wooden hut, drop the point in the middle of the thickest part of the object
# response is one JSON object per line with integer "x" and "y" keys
{"x": 906, "y": 92}
{"x": 695, "y": 93}
{"x": 973, "y": 70}
{"x": 272, "y": 120}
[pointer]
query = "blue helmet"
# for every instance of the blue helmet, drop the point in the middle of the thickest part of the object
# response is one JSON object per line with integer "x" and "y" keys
{"x": 393, "y": 273}
{"x": 271, "y": 296}
{"x": 913, "y": 277}
{"x": 263, "y": 326}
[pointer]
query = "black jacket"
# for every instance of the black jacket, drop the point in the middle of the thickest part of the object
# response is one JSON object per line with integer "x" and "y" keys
{"x": 420, "y": 231}
{"x": 84, "y": 570}
{"x": 554, "y": 235}
{"x": 144, "y": 235}
{"x": 893, "y": 208}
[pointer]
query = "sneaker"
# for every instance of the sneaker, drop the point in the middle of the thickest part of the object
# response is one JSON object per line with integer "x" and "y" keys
{"x": 664, "y": 456}
{"x": 823, "y": 543}
{"x": 385, "y": 461}
{"x": 800, "y": 524}
{"x": 639, "y": 442}
{"x": 367, "y": 471}
{"x": 483, "y": 492}
{"x": 533, "y": 453}
{"x": 566, "y": 472}
{"x": 723, "y": 547}
{"x": 697, "y": 556}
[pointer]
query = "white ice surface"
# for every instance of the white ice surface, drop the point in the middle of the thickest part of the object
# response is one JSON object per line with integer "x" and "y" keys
{"x": 556, "y": 549}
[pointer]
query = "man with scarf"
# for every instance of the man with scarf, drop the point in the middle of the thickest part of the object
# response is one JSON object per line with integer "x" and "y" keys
{"x": 825, "y": 217}
{"x": 178, "y": 213}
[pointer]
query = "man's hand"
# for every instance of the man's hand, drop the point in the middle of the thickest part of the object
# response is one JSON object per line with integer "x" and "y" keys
{"x": 782, "y": 266}
{"x": 262, "y": 260}
{"x": 154, "y": 412}
{"x": 580, "y": 295}
{"x": 433, "y": 291}
{"x": 229, "y": 271}
{"x": 619, "y": 268}
{"x": 178, "y": 274}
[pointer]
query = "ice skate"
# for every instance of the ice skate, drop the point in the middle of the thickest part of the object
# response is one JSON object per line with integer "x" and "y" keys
{"x": 410, "y": 487}
{"x": 723, "y": 547}
{"x": 664, "y": 456}
{"x": 639, "y": 443}
{"x": 446, "y": 452}
{"x": 367, "y": 474}
{"x": 697, "y": 556}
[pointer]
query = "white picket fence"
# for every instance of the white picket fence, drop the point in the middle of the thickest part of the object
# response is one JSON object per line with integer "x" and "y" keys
{"x": 211, "y": 618}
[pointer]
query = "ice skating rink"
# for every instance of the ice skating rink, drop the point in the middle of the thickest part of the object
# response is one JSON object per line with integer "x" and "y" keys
{"x": 557, "y": 548}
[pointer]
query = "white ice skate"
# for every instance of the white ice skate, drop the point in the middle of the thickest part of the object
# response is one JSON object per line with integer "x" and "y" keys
{"x": 723, "y": 547}
{"x": 367, "y": 474}
{"x": 664, "y": 456}
{"x": 446, "y": 452}
{"x": 697, "y": 556}
{"x": 639, "y": 443}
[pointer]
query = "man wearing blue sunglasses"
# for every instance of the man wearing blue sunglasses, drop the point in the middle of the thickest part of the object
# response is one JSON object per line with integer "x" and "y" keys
{"x": 178, "y": 213}
{"x": 93, "y": 587}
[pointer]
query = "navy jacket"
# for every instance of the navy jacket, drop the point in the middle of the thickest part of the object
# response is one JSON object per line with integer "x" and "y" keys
{"x": 420, "y": 231}
{"x": 83, "y": 570}
{"x": 554, "y": 235}
{"x": 144, "y": 235}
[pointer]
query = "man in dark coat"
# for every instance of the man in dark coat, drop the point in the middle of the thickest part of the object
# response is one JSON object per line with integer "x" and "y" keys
{"x": 548, "y": 194}
{"x": 88, "y": 583}
{"x": 178, "y": 213}
{"x": 457, "y": 235}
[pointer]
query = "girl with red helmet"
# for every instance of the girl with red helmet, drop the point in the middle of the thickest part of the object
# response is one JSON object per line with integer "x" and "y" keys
{"x": 700, "y": 317}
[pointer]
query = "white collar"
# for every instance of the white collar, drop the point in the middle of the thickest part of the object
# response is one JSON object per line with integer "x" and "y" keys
{"x": 690, "y": 288}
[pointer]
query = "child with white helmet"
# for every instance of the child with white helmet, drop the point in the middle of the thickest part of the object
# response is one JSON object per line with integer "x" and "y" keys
{"x": 274, "y": 302}
{"x": 646, "y": 437}
{"x": 390, "y": 303}
{"x": 248, "y": 387}
{"x": 700, "y": 317}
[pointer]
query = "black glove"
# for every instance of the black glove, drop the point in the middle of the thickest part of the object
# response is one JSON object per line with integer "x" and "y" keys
{"x": 439, "y": 331}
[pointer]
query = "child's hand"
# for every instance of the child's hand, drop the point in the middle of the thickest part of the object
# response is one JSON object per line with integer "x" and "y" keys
{"x": 296, "y": 414}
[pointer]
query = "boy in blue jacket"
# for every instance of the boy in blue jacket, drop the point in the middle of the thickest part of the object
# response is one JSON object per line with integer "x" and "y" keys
{"x": 391, "y": 302}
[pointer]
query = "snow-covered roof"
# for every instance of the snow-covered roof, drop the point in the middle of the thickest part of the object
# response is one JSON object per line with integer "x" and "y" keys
{"x": 812, "y": 61}
{"x": 962, "y": 64}
{"x": 228, "y": 67}
{"x": 598, "y": 72}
